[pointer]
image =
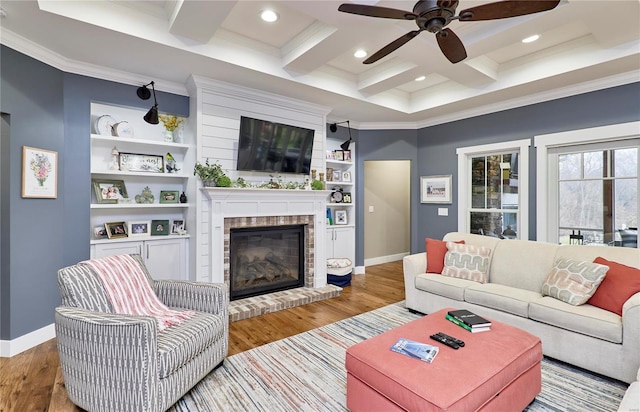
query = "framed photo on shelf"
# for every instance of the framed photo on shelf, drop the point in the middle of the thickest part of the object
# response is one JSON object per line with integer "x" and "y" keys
{"x": 346, "y": 177}
{"x": 341, "y": 217}
{"x": 109, "y": 191}
{"x": 329, "y": 174}
{"x": 346, "y": 197}
{"x": 100, "y": 232}
{"x": 169, "y": 196}
{"x": 178, "y": 227}
{"x": 141, "y": 228}
{"x": 338, "y": 154}
{"x": 135, "y": 162}
{"x": 436, "y": 189}
{"x": 159, "y": 227}
{"x": 346, "y": 155}
{"x": 330, "y": 155}
{"x": 116, "y": 229}
{"x": 337, "y": 176}
{"x": 39, "y": 173}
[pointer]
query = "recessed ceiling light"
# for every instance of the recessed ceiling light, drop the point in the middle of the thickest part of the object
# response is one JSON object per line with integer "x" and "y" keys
{"x": 359, "y": 54}
{"x": 531, "y": 39}
{"x": 421, "y": 78}
{"x": 269, "y": 16}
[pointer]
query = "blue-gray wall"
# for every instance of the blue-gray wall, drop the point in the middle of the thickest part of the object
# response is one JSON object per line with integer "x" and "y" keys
{"x": 432, "y": 150}
{"x": 49, "y": 109}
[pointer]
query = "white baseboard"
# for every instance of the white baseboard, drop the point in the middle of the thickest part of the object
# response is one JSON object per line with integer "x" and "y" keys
{"x": 385, "y": 259}
{"x": 358, "y": 270}
{"x": 9, "y": 348}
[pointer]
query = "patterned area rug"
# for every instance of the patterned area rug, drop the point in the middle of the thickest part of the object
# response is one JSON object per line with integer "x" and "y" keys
{"x": 306, "y": 373}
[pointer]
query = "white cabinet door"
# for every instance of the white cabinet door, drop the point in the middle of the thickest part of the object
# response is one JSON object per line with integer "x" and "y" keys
{"x": 166, "y": 259}
{"x": 120, "y": 248}
{"x": 341, "y": 243}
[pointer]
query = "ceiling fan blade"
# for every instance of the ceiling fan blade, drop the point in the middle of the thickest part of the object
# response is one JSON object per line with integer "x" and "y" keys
{"x": 375, "y": 11}
{"x": 451, "y": 45}
{"x": 505, "y": 9}
{"x": 391, "y": 47}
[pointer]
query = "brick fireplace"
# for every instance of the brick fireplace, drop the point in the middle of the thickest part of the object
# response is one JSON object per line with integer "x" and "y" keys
{"x": 228, "y": 208}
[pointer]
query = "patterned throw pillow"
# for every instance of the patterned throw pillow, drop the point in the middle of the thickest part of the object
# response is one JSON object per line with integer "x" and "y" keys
{"x": 467, "y": 262}
{"x": 573, "y": 282}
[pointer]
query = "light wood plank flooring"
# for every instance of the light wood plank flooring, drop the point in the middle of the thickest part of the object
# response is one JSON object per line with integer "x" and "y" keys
{"x": 32, "y": 380}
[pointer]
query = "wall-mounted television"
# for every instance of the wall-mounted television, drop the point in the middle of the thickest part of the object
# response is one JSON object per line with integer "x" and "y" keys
{"x": 273, "y": 147}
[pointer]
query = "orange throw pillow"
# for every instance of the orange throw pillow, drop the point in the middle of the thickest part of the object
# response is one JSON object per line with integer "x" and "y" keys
{"x": 436, "y": 249}
{"x": 620, "y": 283}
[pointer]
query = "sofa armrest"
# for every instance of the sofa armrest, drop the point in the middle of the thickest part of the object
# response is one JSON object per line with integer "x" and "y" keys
{"x": 414, "y": 265}
{"x": 198, "y": 296}
{"x": 92, "y": 345}
{"x": 631, "y": 319}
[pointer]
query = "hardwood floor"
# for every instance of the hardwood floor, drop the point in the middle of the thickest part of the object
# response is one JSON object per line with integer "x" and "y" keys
{"x": 32, "y": 380}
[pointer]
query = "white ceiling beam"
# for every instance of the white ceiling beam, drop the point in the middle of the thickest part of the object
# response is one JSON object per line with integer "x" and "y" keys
{"x": 197, "y": 20}
{"x": 387, "y": 75}
{"x": 308, "y": 50}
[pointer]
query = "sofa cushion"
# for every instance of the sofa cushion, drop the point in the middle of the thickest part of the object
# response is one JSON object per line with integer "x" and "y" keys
{"x": 585, "y": 319}
{"x": 178, "y": 344}
{"x": 618, "y": 286}
{"x": 451, "y": 288}
{"x": 436, "y": 250}
{"x": 467, "y": 262}
{"x": 572, "y": 281}
{"x": 500, "y": 297}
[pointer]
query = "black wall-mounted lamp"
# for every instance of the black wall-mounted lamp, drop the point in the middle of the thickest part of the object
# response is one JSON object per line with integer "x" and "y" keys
{"x": 144, "y": 93}
{"x": 334, "y": 127}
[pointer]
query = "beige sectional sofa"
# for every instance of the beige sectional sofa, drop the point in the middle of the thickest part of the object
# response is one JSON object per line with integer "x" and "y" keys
{"x": 585, "y": 335}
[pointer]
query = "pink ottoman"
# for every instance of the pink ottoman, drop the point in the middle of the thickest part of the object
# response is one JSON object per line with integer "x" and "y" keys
{"x": 498, "y": 370}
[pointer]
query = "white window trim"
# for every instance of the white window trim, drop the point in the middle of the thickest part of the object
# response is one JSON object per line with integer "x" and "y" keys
{"x": 545, "y": 142}
{"x": 464, "y": 183}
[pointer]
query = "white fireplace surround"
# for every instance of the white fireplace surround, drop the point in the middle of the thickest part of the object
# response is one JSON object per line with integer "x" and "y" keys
{"x": 236, "y": 202}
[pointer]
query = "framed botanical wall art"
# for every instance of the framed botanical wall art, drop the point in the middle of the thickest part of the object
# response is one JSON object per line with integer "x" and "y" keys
{"x": 39, "y": 173}
{"x": 436, "y": 189}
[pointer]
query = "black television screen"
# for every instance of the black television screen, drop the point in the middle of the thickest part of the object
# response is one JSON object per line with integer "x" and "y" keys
{"x": 273, "y": 147}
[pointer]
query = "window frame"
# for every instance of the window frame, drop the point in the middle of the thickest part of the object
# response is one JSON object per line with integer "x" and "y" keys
{"x": 547, "y": 221}
{"x": 465, "y": 154}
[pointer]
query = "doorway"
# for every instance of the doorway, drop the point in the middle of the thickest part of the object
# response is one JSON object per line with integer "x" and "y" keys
{"x": 387, "y": 210}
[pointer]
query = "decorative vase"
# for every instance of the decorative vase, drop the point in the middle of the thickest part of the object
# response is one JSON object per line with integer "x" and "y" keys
{"x": 168, "y": 136}
{"x": 209, "y": 183}
{"x": 183, "y": 198}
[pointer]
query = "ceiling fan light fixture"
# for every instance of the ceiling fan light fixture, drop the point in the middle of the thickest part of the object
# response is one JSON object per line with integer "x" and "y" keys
{"x": 359, "y": 54}
{"x": 531, "y": 39}
{"x": 269, "y": 15}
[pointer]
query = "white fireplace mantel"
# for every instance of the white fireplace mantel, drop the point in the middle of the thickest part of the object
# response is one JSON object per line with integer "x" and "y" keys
{"x": 237, "y": 202}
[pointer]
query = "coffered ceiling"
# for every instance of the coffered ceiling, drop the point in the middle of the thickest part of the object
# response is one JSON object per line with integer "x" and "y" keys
{"x": 308, "y": 52}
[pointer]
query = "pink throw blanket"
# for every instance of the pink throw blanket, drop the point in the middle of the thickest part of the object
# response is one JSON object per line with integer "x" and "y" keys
{"x": 129, "y": 290}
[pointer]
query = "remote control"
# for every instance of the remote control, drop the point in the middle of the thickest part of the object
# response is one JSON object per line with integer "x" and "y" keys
{"x": 458, "y": 341}
{"x": 444, "y": 340}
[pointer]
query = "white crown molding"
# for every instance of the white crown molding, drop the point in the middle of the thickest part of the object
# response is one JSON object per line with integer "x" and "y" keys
{"x": 44, "y": 55}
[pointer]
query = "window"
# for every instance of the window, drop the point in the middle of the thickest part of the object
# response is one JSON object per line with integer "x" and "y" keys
{"x": 588, "y": 186}
{"x": 493, "y": 189}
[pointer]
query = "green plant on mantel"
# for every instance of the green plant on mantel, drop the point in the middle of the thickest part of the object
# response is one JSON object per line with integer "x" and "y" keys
{"x": 211, "y": 174}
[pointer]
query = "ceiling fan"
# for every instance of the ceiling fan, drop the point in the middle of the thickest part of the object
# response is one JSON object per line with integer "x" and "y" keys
{"x": 434, "y": 15}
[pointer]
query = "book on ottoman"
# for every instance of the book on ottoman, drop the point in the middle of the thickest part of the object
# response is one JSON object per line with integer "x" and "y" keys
{"x": 469, "y": 318}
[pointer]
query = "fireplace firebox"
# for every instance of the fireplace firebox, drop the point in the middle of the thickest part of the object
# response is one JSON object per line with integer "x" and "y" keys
{"x": 265, "y": 259}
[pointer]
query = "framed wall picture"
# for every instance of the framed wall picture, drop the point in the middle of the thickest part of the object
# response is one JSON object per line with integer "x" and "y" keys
{"x": 160, "y": 227}
{"x": 169, "y": 196}
{"x": 341, "y": 217}
{"x": 109, "y": 191}
{"x": 140, "y": 228}
{"x": 135, "y": 162}
{"x": 178, "y": 227}
{"x": 436, "y": 189}
{"x": 39, "y": 173}
{"x": 116, "y": 229}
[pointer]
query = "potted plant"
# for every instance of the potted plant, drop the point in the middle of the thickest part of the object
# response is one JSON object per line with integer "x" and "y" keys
{"x": 210, "y": 174}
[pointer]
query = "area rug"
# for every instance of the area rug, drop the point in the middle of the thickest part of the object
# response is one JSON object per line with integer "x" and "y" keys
{"x": 306, "y": 373}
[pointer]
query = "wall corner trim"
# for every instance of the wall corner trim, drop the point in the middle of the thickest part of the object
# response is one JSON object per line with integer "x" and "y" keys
{"x": 9, "y": 348}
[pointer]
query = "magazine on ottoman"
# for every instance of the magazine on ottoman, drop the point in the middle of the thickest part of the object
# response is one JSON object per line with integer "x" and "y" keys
{"x": 414, "y": 349}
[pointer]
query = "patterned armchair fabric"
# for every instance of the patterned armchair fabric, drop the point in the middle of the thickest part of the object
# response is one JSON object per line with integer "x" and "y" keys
{"x": 113, "y": 362}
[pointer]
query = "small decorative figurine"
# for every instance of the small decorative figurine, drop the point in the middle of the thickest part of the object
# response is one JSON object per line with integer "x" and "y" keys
{"x": 114, "y": 159}
{"x": 183, "y": 198}
{"x": 146, "y": 196}
{"x": 171, "y": 164}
